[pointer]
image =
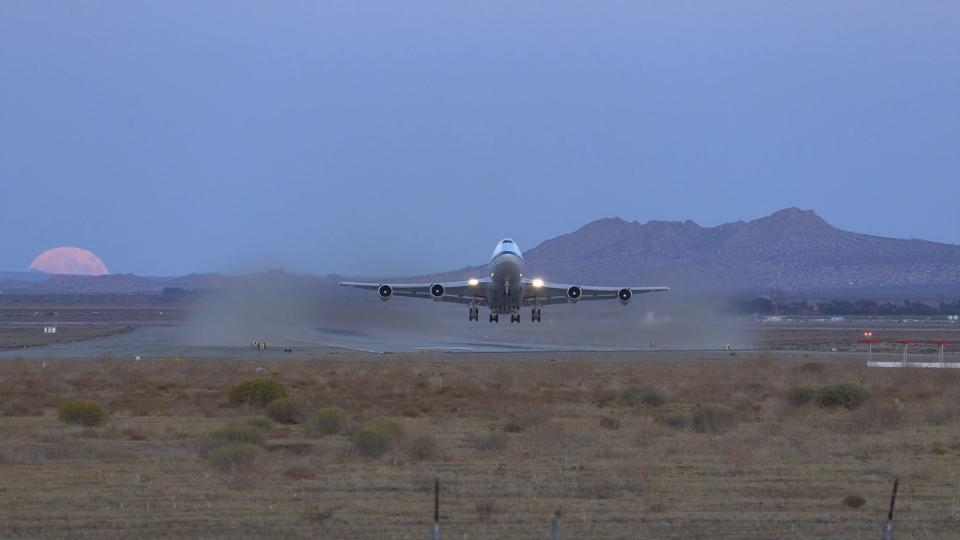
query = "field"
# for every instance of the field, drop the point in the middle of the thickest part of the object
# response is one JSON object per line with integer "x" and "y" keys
{"x": 513, "y": 439}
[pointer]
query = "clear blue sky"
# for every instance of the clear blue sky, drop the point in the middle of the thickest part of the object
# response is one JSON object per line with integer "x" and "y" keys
{"x": 394, "y": 138}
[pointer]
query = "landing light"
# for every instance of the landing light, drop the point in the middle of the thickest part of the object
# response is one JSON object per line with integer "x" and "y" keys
{"x": 473, "y": 282}
{"x": 538, "y": 283}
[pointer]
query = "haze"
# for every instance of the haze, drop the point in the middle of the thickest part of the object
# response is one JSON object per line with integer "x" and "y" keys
{"x": 386, "y": 138}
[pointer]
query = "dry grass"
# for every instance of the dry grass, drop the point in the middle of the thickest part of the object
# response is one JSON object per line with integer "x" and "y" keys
{"x": 512, "y": 438}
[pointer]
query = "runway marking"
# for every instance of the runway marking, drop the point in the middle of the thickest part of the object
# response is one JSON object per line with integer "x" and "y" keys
{"x": 353, "y": 348}
{"x": 953, "y": 365}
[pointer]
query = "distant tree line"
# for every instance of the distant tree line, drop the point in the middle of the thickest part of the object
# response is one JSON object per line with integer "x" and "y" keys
{"x": 764, "y": 305}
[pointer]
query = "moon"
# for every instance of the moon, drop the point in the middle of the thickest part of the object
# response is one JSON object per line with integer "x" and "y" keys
{"x": 69, "y": 260}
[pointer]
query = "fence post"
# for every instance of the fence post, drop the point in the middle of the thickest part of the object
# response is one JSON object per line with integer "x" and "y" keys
{"x": 554, "y": 528}
{"x": 888, "y": 527}
{"x": 435, "y": 532}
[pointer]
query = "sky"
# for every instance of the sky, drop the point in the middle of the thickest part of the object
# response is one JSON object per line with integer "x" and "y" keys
{"x": 395, "y": 138}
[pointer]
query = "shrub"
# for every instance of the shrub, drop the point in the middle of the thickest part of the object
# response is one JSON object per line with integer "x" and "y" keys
{"x": 609, "y": 422}
{"x": 848, "y": 395}
{"x": 713, "y": 419}
{"x": 634, "y": 397}
{"x": 231, "y": 434}
{"x": 854, "y": 501}
{"x": 257, "y": 391}
{"x": 802, "y": 394}
{"x": 485, "y": 509}
{"x": 328, "y": 421}
{"x": 391, "y": 425}
{"x": 513, "y": 426}
{"x": 84, "y": 412}
{"x": 374, "y": 438}
{"x": 489, "y": 441}
{"x": 677, "y": 421}
{"x": 234, "y": 456}
{"x": 422, "y": 447}
{"x": 260, "y": 422}
{"x": 286, "y": 411}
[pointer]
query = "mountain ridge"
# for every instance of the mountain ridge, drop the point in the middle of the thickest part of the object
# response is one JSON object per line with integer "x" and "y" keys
{"x": 792, "y": 250}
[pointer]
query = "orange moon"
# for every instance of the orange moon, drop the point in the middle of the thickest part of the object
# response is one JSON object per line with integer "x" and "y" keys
{"x": 69, "y": 260}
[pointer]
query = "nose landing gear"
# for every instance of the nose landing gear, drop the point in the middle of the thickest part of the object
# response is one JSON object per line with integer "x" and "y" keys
{"x": 515, "y": 317}
{"x": 474, "y": 313}
{"x": 494, "y": 317}
{"x": 535, "y": 314}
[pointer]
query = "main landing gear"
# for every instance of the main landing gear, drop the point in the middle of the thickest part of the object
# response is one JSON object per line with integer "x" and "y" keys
{"x": 474, "y": 313}
{"x": 495, "y": 315}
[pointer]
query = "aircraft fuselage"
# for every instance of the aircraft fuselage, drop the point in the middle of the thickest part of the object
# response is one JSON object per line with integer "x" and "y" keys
{"x": 505, "y": 289}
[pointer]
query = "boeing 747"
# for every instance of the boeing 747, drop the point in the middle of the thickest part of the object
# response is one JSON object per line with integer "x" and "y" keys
{"x": 505, "y": 290}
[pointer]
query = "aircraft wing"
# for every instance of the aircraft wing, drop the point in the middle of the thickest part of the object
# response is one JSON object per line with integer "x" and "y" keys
{"x": 458, "y": 292}
{"x": 556, "y": 293}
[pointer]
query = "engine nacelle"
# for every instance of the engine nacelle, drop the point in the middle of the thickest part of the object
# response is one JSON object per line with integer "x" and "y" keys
{"x": 385, "y": 292}
{"x": 624, "y": 295}
{"x": 574, "y": 293}
{"x": 436, "y": 291}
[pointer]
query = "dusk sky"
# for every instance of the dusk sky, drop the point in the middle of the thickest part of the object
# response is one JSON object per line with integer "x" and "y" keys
{"x": 395, "y": 138}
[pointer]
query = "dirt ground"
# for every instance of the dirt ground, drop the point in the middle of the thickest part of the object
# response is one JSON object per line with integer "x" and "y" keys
{"x": 512, "y": 438}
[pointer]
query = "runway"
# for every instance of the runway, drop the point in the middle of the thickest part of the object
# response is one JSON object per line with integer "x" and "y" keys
{"x": 169, "y": 341}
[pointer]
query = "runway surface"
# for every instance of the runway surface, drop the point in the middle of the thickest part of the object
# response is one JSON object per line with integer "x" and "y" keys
{"x": 154, "y": 341}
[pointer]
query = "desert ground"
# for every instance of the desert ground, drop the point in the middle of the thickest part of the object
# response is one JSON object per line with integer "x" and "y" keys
{"x": 513, "y": 439}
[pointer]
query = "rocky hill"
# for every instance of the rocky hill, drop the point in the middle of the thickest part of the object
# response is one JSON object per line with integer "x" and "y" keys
{"x": 793, "y": 250}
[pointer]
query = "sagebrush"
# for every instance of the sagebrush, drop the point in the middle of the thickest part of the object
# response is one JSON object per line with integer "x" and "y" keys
{"x": 258, "y": 391}
{"x": 327, "y": 421}
{"x": 84, "y": 412}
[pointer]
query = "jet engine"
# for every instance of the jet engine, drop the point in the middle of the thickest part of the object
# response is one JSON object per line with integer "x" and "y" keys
{"x": 624, "y": 295}
{"x": 385, "y": 292}
{"x": 574, "y": 293}
{"x": 436, "y": 291}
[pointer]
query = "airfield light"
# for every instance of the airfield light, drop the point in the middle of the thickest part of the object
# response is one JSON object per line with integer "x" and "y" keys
{"x": 538, "y": 283}
{"x": 474, "y": 282}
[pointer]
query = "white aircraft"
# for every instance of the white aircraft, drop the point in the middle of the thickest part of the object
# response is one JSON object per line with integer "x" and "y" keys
{"x": 505, "y": 291}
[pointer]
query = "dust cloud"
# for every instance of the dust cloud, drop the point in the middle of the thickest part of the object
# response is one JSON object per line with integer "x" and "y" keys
{"x": 289, "y": 310}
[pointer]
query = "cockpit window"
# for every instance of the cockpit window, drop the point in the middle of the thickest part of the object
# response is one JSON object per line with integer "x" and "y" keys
{"x": 507, "y": 241}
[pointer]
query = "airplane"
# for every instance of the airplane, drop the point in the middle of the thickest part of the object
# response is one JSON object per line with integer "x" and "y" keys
{"x": 505, "y": 291}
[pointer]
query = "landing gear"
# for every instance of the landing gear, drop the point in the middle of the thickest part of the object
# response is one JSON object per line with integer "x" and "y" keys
{"x": 474, "y": 313}
{"x": 494, "y": 317}
{"x": 515, "y": 317}
{"x": 535, "y": 314}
